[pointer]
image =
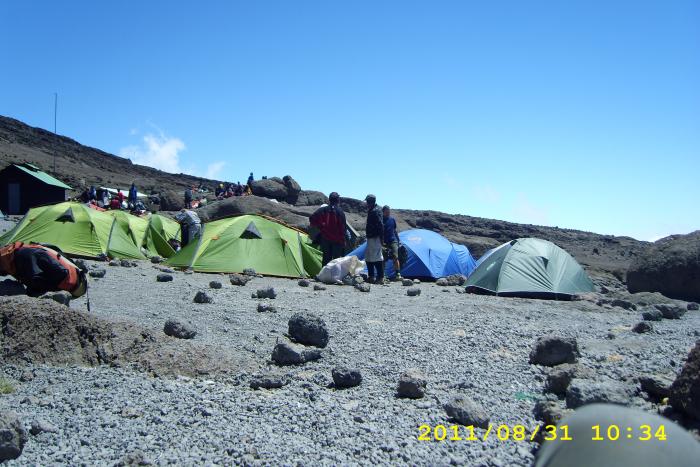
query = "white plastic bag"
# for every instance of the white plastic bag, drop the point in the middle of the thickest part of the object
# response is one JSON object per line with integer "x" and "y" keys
{"x": 338, "y": 268}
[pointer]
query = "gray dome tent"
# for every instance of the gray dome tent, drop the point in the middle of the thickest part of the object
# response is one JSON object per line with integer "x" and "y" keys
{"x": 530, "y": 268}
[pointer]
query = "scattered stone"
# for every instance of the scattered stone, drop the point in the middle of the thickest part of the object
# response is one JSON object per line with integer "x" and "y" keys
{"x": 42, "y": 426}
{"x": 82, "y": 265}
{"x": 553, "y": 350}
{"x": 165, "y": 270}
{"x": 346, "y": 377}
{"x": 442, "y": 282}
{"x": 358, "y": 280}
{"x": 268, "y": 381}
{"x": 583, "y": 392}
{"x": 670, "y": 311}
{"x": 465, "y": 411}
{"x": 289, "y": 353}
{"x": 364, "y": 287}
{"x": 13, "y": 437}
{"x": 156, "y": 259}
{"x": 308, "y": 329}
{"x": 416, "y": 281}
{"x": 549, "y": 412}
{"x": 268, "y": 292}
{"x": 215, "y": 284}
{"x": 560, "y": 377}
{"x": 652, "y": 314}
{"x": 250, "y": 272}
{"x": 61, "y": 297}
{"x": 113, "y": 262}
{"x": 304, "y": 283}
{"x": 319, "y": 287}
{"x": 454, "y": 280}
{"x": 26, "y": 376}
{"x": 164, "y": 277}
{"x": 692, "y": 306}
{"x": 656, "y": 386}
{"x": 202, "y": 297}
{"x": 411, "y": 385}
{"x": 347, "y": 280}
{"x": 239, "y": 279}
{"x": 134, "y": 458}
{"x": 178, "y": 329}
{"x": 413, "y": 292}
{"x": 406, "y": 282}
{"x": 125, "y": 263}
{"x": 266, "y": 308}
{"x": 685, "y": 390}
{"x": 98, "y": 273}
{"x": 642, "y": 327}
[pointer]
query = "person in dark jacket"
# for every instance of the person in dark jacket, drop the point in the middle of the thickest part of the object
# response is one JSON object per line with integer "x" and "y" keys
{"x": 330, "y": 221}
{"x": 132, "y": 195}
{"x": 391, "y": 240}
{"x": 41, "y": 269}
{"x": 188, "y": 198}
{"x": 375, "y": 236}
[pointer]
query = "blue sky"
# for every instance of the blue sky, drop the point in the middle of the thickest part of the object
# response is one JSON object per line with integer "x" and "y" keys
{"x": 581, "y": 114}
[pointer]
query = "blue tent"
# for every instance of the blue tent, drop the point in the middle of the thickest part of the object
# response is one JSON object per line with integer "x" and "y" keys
{"x": 429, "y": 255}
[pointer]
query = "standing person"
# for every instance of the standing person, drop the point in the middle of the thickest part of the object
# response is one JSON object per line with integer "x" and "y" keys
{"x": 93, "y": 193}
{"x": 190, "y": 226}
{"x": 375, "y": 234}
{"x": 330, "y": 221}
{"x": 188, "y": 198}
{"x": 391, "y": 240}
{"x": 132, "y": 195}
{"x": 251, "y": 179}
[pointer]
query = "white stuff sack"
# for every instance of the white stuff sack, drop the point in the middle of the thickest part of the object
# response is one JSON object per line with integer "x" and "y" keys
{"x": 338, "y": 268}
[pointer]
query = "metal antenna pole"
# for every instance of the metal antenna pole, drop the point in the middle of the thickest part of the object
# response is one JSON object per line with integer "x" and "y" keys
{"x": 55, "y": 112}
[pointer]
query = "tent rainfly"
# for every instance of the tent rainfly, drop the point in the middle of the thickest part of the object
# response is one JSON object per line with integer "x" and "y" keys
{"x": 150, "y": 233}
{"x": 77, "y": 230}
{"x": 236, "y": 243}
{"x": 430, "y": 255}
{"x": 530, "y": 268}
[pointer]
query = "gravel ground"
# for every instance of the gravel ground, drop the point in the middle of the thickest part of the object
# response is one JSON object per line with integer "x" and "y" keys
{"x": 465, "y": 344}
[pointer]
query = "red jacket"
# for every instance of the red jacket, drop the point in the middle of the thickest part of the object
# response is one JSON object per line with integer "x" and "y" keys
{"x": 330, "y": 220}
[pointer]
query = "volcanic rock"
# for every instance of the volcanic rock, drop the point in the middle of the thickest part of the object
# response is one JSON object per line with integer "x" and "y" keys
{"x": 202, "y": 297}
{"x": 582, "y": 392}
{"x": 13, "y": 437}
{"x": 289, "y": 353}
{"x": 553, "y": 350}
{"x": 178, "y": 329}
{"x": 670, "y": 266}
{"x": 346, "y": 377}
{"x": 164, "y": 277}
{"x": 465, "y": 411}
{"x": 308, "y": 329}
{"x": 411, "y": 385}
{"x": 685, "y": 390}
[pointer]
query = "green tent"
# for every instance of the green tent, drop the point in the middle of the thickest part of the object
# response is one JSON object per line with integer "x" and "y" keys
{"x": 249, "y": 241}
{"x": 151, "y": 233}
{"x": 76, "y": 229}
{"x": 160, "y": 230}
{"x": 529, "y": 267}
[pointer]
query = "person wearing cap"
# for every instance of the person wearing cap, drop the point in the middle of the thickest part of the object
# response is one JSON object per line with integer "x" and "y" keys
{"x": 330, "y": 221}
{"x": 42, "y": 269}
{"x": 374, "y": 231}
{"x": 391, "y": 240}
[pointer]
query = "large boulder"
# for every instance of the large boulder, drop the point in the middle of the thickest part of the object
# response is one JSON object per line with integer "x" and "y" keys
{"x": 13, "y": 436}
{"x": 293, "y": 189}
{"x": 172, "y": 200}
{"x": 252, "y": 205}
{"x": 270, "y": 188}
{"x": 685, "y": 390}
{"x": 670, "y": 266}
{"x": 311, "y": 198}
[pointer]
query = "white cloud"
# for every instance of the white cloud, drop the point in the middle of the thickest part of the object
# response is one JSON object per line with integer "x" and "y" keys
{"x": 524, "y": 211}
{"x": 213, "y": 170}
{"x": 134, "y": 131}
{"x": 158, "y": 151}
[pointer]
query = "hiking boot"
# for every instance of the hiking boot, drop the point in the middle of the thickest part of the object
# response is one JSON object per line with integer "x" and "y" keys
{"x": 398, "y": 277}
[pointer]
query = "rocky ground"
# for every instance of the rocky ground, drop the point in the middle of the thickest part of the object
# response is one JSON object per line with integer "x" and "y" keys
{"x": 125, "y": 408}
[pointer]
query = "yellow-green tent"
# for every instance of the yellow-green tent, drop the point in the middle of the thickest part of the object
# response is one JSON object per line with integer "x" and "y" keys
{"x": 151, "y": 233}
{"x": 77, "y": 230}
{"x": 249, "y": 241}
